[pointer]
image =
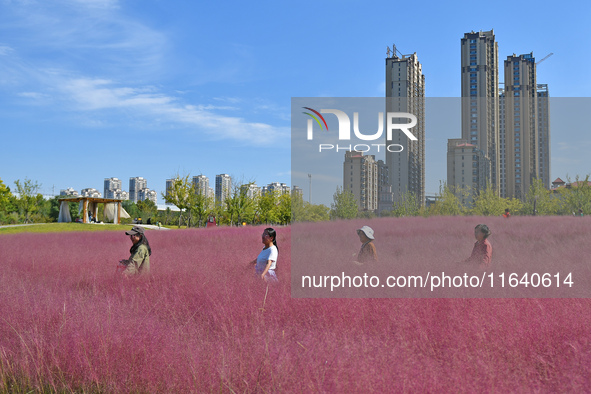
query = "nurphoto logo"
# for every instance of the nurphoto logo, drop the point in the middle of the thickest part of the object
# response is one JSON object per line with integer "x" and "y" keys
{"x": 345, "y": 129}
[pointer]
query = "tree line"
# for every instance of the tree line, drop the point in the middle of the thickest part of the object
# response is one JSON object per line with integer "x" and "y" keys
{"x": 573, "y": 200}
{"x": 27, "y": 205}
{"x": 238, "y": 207}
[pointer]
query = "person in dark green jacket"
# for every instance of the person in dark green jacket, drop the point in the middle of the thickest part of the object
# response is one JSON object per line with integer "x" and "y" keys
{"x": 139, "y": 259}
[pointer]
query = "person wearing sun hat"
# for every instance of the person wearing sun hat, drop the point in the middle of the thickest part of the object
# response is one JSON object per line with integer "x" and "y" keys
{"x": 139, "y": 259}
{"x": 368, "y": 249}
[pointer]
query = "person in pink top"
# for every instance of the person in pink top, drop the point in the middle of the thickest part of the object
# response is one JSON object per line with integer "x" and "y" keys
{"x": 482, "y": 251}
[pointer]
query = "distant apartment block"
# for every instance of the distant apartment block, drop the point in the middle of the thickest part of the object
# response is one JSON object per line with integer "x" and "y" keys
{"x": 69, "y": 192}
{"x": 90, "y": 192}
{"x": 360, "y": 177}
{"x": 467, "y": 169}
{"x": 385, "y": 196}
{"x": 147, "y": 194}
{"x": 169, "y": 183}
{"x": 223, "y": 186}
{"x": 405, "y": 92}
{"x": 121, "y": 195}
{"x": 520, "y": 132}
{"x": 280, "y": 188}
{"x": 480, "y": 100}
{"x": 112, "y": 187}
{"x": 544, "y": 134}
{"x": 296, "y": 190}
{"x": 135, "y": 185}
{"x": 201, "y": 184}
{"x": 251, "y": 190}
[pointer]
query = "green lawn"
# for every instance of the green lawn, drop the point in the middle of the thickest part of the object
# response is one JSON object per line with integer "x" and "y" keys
{"x": 63, "y": 227}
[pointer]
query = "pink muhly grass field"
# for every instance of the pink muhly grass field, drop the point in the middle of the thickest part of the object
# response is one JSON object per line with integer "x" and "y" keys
{"x": 201, "y": 322}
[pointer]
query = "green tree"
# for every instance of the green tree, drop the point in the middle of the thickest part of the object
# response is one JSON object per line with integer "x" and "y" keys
{"x": 200, "y": 205}
{"x": 575, "y": 197}
{"x": 131, "y": 208}
{"x": 344, "y": 205}
{"x": 43, "y": 210}
{"x": 27, "y": 201}
{"x": 147, "y": 209}
{"x": 297, "y": 208}
{"x": 317, "y": 212}
{"x": 447, "y": 202}
{"x": 266, "y": 207}
{"x": 489, "y": 203}
{"x": 539, "y": 200}
{"x": 284, "y": 208}
{"x": 408, "y": 205}
{"x": 179, "y": 194}
{"x": 303, "y": 211}
{"x": 6, "y": 203}
{"x": 5, "y": 195}
{"x": 239, "y": 204}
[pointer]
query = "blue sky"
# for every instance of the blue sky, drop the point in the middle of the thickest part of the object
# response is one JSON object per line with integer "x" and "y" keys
{"x": 91, "y": 89}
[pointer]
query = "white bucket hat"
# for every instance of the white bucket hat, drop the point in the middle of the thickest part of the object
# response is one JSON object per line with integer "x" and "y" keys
{"x": 367, "y": 231}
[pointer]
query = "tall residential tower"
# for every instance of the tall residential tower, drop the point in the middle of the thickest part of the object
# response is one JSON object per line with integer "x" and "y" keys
{"x": 480, "y": 105}
{"x": 520, "y": 157}
{"x": 405, "y": 92}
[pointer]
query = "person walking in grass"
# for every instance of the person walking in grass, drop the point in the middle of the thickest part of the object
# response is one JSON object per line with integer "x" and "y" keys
{"x": 266, "y": 261}
{"x": 139, "y": 259}
{"x": 368, "y": 252}
{"x": 482, "y": 251}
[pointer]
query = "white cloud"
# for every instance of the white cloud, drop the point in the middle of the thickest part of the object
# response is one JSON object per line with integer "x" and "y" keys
{"x": 97, "y": 94}
{"x": 233, "y": 100}
{"x": 33, "y": 95}
{"x": 5, "y": 50}
{"x": 85, "y": 34}
{"x": 85, "y": 42}
{"x": 98, "y": 3}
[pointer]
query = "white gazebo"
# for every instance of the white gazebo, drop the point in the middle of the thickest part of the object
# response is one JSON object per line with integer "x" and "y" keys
{"x": 113, "y": 209}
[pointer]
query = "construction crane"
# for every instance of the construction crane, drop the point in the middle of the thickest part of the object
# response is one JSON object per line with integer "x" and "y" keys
{"x": 547, "y": 56}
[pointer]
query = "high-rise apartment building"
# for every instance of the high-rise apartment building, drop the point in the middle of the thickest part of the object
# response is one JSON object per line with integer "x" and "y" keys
{"x": 69, "y": 192}
{"x": 90, "y": 192}
{"x": 121, "y": 195}
{"x": 201, "y": 184}
{"x": 544, "y": 134}
{"x": 297, "y": 191}
{"x": 147, "y": 194}
{"x": 251, "y": 190}
{"x": 360, "y": 177}
{"x": 384, "y": 187}
{"x": 502, "y": 143}
{"x": 169, "y": 184}
{"x": 280, "y": 188}
{"x": 520, "y": 158}
{"x": 467, "y": 166}
{"x": 111, "y": 186}
{"x": 405, "y": 92}
{"x": 480, "y": 102}
{"x": 135, "y": 185}
{"x": 223, "y": 185}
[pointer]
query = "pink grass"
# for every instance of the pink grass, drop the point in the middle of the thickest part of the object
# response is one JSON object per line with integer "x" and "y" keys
{"x": 197, "y": 324}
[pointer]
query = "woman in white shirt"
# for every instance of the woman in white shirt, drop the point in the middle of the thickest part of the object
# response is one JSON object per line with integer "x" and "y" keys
{"x": 266, "y": 262}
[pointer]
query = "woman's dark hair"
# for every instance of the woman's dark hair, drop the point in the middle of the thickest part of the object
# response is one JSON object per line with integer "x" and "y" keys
{"x": 483, "y": 229}
{"x": 143, "y": 241}
{"x": 272, "y": 233}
